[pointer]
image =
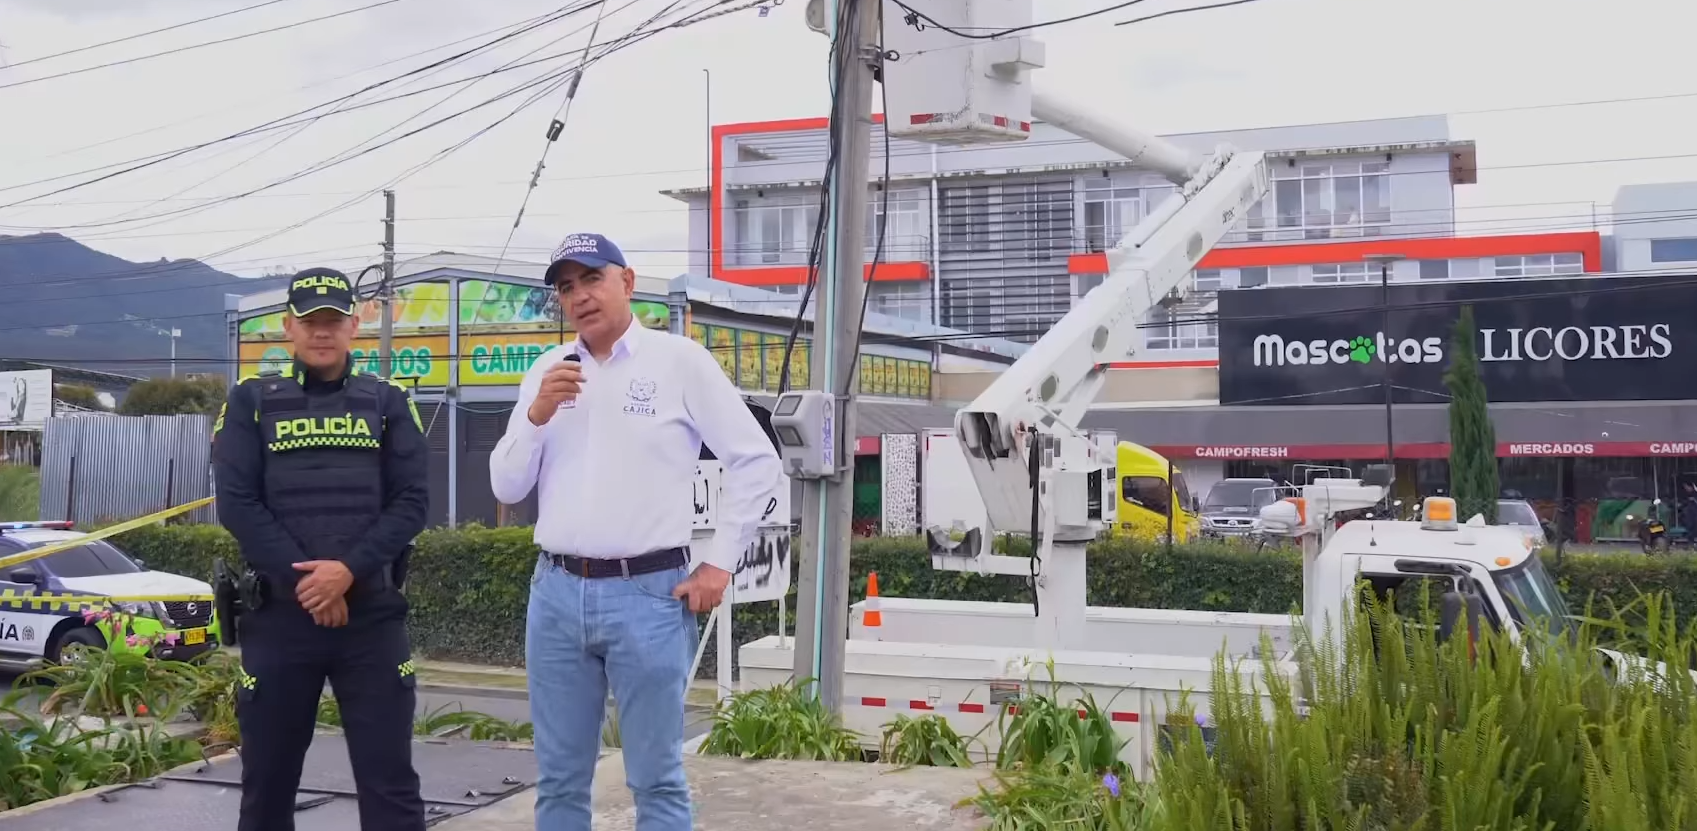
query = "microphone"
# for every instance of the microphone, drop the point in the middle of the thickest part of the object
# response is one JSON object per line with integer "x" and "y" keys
{"x": 574, "y": 358}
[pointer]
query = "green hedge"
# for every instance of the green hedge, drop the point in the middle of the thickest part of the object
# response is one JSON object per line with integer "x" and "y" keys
{"x": 469, "y": 585}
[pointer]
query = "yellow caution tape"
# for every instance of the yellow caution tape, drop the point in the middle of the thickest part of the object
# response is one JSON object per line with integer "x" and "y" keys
{"x": 61, "y": 601}
{"x": 127, "y": 525}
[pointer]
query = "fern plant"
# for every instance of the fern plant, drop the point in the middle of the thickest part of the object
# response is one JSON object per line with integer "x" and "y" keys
{"x": 1388, "y": 729}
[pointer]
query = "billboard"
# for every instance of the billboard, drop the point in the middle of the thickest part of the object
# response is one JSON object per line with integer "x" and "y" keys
{"x": 26, "y": 399}
{"x": 503, "y": 328}
{"x": 1578, "y": 339}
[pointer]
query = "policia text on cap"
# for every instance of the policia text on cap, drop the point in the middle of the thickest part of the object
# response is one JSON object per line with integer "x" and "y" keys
{"x": 321, "y": 477}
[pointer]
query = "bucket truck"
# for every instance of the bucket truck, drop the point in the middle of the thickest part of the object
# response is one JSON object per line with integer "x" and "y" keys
{"x": 1039, "y": 474}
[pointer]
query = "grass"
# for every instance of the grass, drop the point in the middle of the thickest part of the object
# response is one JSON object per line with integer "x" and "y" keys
{"x": 782, "y": 722}
{"x": 20, "y": 493}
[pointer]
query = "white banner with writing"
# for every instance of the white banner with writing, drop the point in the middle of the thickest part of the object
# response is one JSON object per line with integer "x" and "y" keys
{"x": 763, "y": 572}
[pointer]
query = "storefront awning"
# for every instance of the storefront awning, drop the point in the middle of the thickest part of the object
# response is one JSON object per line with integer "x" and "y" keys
{"x": 1651, "y": 428}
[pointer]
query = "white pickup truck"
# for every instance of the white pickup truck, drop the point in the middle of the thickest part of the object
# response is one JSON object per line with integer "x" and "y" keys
{"x": 962, "y": 661}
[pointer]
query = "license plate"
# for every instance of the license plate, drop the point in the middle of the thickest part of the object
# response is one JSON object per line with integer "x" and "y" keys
{"x": 194, "y": 636}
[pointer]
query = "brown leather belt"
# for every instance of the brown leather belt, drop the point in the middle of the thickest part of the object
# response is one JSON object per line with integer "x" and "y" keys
{"x": 599, "y": 567}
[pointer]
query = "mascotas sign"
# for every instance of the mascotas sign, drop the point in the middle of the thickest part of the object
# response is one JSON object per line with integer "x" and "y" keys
{"x": 1579, "y": 339}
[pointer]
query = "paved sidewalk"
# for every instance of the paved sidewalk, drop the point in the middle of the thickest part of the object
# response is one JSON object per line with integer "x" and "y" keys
{"x": 739, "y": 795}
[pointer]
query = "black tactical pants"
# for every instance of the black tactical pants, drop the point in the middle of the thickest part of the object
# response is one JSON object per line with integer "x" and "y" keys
{"x": 286, "y": 659}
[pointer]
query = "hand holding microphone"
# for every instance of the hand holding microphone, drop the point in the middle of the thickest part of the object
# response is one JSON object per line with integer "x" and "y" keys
{"x": 560, "y": 384}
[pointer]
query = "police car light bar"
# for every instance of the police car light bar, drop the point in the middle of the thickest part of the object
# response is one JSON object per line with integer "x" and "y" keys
{"x": 49, "y": 525}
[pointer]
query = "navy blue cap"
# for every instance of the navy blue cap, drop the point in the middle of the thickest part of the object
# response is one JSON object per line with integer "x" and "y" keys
{"x": 320, "y": 288}
{"x": 588, "y": 250}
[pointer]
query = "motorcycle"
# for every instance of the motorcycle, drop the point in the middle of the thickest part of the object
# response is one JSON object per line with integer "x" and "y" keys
{"x": 1653, "y": 534}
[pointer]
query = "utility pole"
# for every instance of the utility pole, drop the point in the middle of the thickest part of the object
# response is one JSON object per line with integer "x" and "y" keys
{"x": 1384, "y": 262}
{"x": 828, "y": 504}
{"x": 386, "y": 293}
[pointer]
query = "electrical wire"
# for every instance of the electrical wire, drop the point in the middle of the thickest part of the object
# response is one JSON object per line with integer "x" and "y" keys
{"x": 305, "y": 124}
{"x": 549, "y": 77}
{"x": 919, "y": 20}
{"x": 816, "y": 249}
{"x": 276, "y": 123}
{"x": 524, "y": 25}
{"x": 1591, "y": 220}
{"x": 140, "y": 35}
{"x": 200, "y": 45}
{"x": 556, "y": 127}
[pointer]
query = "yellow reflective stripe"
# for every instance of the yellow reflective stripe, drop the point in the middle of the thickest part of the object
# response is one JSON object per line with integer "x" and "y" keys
{"x": 325, "y": 441}
{"x": 62, "y": 602}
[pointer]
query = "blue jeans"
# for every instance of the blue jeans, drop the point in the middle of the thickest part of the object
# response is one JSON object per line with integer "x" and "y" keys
{"x": 582, "y": 636}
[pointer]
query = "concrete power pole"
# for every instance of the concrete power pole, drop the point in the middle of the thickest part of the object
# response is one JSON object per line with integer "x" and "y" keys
{"x": 828, "y": 504}
{"x": 386, "y": 294}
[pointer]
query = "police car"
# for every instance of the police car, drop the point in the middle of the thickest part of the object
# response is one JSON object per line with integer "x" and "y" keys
{"x": 37, "y": 623}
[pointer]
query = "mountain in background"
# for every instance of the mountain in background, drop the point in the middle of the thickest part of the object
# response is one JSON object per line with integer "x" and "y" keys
{"x": 61, "y": 301}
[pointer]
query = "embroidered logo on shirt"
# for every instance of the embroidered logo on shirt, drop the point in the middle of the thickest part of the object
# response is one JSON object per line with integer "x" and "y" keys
{"x": 641, "y": 394}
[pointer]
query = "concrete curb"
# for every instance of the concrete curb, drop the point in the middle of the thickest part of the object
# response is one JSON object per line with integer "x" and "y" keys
{"x": 471, "y": 691}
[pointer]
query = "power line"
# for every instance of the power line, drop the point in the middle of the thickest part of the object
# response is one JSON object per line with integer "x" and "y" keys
{"x": 150, "y": 33}
{"x": 308, "y": 123}
{"x": 523, "y": 24}
{"x": 920, "y": 20}
{"x": 551, "y": 76}
{"x": 201, "y": 45}
{"x": 277, "y": 123}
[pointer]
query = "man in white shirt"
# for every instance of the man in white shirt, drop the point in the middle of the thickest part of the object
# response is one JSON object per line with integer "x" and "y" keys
{"x": 608, "y": 429}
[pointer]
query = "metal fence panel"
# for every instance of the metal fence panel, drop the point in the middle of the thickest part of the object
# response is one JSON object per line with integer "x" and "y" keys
{"x": 106, "y": 467}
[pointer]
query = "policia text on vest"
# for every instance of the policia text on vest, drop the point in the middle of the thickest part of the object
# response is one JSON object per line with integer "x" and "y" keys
{"x": 313, "y": 469}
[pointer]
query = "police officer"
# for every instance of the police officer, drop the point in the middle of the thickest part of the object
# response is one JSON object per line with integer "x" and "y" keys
{"x": 322, "y": 479}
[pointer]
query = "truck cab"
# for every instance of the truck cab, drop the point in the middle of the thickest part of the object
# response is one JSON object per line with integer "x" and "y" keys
{"x": 1491, "y": 574}
{"x": 1148, "y": 495}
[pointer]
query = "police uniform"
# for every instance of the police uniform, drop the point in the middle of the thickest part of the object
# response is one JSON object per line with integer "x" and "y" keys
{"x": 306, "y": 469}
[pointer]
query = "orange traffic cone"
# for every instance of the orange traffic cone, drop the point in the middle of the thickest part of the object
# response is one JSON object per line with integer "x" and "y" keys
{"x": 872, "y": 617}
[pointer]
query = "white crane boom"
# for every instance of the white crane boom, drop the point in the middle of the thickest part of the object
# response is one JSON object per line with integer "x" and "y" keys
{"x": 1049, "y": 388}
{"x": 1043, "y": 396}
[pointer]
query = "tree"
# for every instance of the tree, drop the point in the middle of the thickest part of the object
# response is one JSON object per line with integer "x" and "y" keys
{"x": 1473, "y": 439}
{"x": 175, "y": 396}
{"x": 80, "y": 396}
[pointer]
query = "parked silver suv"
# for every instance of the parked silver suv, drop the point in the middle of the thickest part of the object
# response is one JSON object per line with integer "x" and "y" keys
{"x": 1232, "y": 508}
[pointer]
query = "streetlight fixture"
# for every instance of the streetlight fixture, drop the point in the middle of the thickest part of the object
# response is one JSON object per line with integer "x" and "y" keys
{"x": 1384, "y": 262}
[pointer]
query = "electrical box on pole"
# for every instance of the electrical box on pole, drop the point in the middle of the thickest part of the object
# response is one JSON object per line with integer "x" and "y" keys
{"x": 805, "y": 423}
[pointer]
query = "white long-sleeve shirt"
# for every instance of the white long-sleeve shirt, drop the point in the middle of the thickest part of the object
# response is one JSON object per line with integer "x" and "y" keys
{"x": 615, "y": 469}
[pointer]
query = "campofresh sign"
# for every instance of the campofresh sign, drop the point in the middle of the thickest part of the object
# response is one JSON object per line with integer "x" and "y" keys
{"x": 1570, "y": 339}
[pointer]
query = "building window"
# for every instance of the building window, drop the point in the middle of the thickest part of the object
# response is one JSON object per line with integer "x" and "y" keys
{"x": 1208, "y": 280}
{"x": 1434, "y": 269}
{"x": 906, "y": 299}
{"x": 774, "y": 230}
{"x": 1083, "y": 283}
{"x": 1110, "y": 210}
{"x": 1249, "y": 278}
{"x": 966, "y": 216}
{"x": 1036, "y": 221}
{"x": 1170, "y": 329}
{"x": 1342, "y": 273}
{"x": 1337, "y": 196}
{"x": 1539, "y": 265}
{"x": 905, "y": 237}
{"x": 1675, "y": 250}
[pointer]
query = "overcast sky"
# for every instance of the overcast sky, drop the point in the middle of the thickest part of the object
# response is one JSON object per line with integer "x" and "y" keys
{"x": 638, "y": 124}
